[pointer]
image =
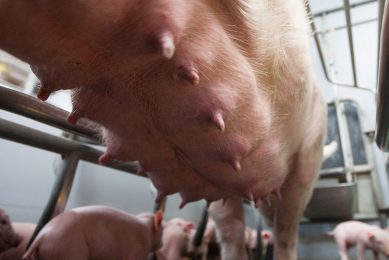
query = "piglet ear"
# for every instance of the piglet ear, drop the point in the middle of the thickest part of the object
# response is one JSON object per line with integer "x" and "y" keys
{"x": 188, "y": 227}
{"x": 370, "y": 235}
{"x": 266, "y": 235}
{"x": 158, "y": 219}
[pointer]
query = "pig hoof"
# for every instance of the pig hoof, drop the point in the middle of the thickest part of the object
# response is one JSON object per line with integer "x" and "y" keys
{"x": 43, "y": 94}
{"x": 277, "y": 193}
{"x": 105, "y": 158}
{"x": 166, "y": 45}
{"x": 217, "y": 119}
{"x": 188, "y": 74}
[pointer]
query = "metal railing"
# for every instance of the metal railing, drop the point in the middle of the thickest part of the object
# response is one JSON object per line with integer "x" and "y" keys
{"x": 382, "y": 127}
{"x": 347, "y": 10}
{"x": 72, "y": 151}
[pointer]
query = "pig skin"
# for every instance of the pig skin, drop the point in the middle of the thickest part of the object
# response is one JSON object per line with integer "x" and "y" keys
{"x": 175, "y": 239}
{"x": 213, "y": 98}
{"x": 351, "y": 233}
{"x": 8, "y": 237}
{"x": 97, "y": 232}
{"x": 230, "y": 228}
{"x": 24, "y": 230}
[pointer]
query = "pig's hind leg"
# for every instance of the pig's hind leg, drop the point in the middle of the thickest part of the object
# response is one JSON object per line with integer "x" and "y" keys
{"x": 285, "y": 214}
{"x": 361, "y": 251}
{"x": 342, "y": 248}
{"x": 229, "y": 222}
{"x": 297, "y": 189}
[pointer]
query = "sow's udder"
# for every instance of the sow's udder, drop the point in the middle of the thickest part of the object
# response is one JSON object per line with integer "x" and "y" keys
{"x": 196, "y": 116}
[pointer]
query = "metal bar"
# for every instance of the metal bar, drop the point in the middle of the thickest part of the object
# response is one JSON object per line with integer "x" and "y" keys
{"x": 321, "y": 55}
{"x": 28, "y": 136}
{"x": 345, "y": 26}
{"x": 259, "y": 249}
{"x": 317, "y": 41}
{"x": 382, "y": 128}
{"x": 341, "y": 8}
{"x": 25, "y": 105}
{"x": 379, "y": 179}
{"x": 381, "y": 5}
{"x": 160, "y": 206}
{"x": 198, "y": 237}
{"x": 350, "y": 39}
{"x": 383, "y": 217}
{"x": 344, "y": 139}
{"x": 59, "y": 193}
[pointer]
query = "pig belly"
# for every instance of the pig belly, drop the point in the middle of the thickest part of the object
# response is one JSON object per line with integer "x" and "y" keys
{"x": 218, "y": 89}
{"x": 221, "y": 130}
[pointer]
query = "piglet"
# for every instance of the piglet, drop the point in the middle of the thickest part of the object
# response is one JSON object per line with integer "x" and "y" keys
{"x": 24, "y": 230}
{"x": 251, "y": 239}
{"x": 98, "y": 232}
{"x": 8, "y": 237}
{"x": 176, "y": 236}
{"x": 209, "y": 236}
{"x": 351, "y": 233}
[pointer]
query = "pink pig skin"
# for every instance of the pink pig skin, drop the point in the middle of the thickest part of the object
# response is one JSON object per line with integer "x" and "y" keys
{"x": 97, "y": 232}
{"x": 208, "y": 237}
{"x": 362, "y": 235}
{"x": 251, "y": 238}
{"x": 214, "y": 98}
{"x": 24, "y": 230}
{"x": 8, "y": 237}
{"x": 175, "y": 239}
{"x": 230, "y": 228}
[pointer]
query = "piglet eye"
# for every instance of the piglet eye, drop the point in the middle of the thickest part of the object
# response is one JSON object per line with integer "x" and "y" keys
{"x": 4, "y": 222}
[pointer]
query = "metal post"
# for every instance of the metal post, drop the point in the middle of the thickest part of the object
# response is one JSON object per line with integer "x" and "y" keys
{"x": 60, "y": 192}
{"x": 317, "y": 42}
{"x": 259, "y": 252}
{"x": 382, "y": 129}
{"x": 350, "y": 38}
{"x": 383, "y": 216}
{"x": 344, "y": 139}
{"x": 199, "y": 235}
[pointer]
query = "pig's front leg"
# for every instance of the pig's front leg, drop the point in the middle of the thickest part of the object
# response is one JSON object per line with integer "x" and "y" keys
{"x": 288, "y": 211}
{"x": 376, "y": 254}
{"x": 296, "y": 191}
{"x": 361, "y": 251}
{"x": 342, "y": 248}
{"x": 230, "y": 228}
